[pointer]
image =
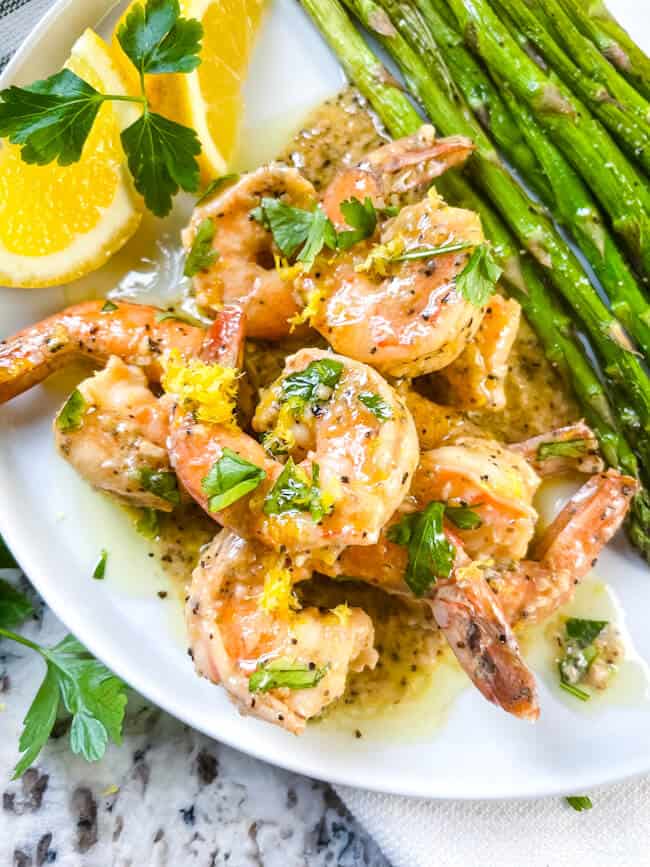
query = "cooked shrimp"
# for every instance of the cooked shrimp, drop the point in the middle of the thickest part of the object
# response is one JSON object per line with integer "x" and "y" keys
{"x": 408, "y": 163}
{"x": 495, "y": 482}
{"x": 353, "y": 465}
{"x": 411, "y": 321}
{"x": 573, "y": 447}
{"x": 95, "y": 330}
{"x": 244, "y": 270}
{"x": 477, "y": 377}
{"x": 532, "y": 590}
{"x": 119, "y": 444}
{"x": 233, "y": 630}
{"x": 467, "y": 612}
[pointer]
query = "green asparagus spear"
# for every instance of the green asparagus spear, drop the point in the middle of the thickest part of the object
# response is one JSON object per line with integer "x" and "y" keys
{"x": 476, "y": 86}
{"x": 613, "y": 42}
{"x": 609, "y": 96}
{"x": 533, "y": 230}
{"x": 622, "y": 193}
{"x": 570, "y": 199}
{"x": 552, "y": 325}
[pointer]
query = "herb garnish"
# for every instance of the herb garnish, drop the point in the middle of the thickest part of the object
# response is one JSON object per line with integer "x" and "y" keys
{"x": 230, "y": 478}
{"x": 579, "y": 653}
{"x": 161, "y": 483}
{"x": 215, "y": 186}
{"x": 202, "y": 254}
{"x": 108, "y": 306}
{"x": 294, "y": 492}
{"x": 377, "y": 405}
{"x": 567, "y": 449}
{"x": 86, "y": 688}
{"x": 429, "y": 252}
{"x": 280, "y": 673}
{"x": 362, "y": 216}
{"x": 148, "y": 524}
{"x": 430, "y": 553}
{"x": 478, "y": 278}
{"x": 71, "y": 414}
{"x": 99, "y": 571}
{"x": 7, "y": 560}
{"x": 313, "y": 384}
{"x": 579, "y": 802}
{"x": 463, "y": 517}
{"x": 52, "y": 118}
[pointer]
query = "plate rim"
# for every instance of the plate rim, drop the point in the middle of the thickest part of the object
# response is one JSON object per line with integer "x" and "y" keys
{"x": 36, "y": 572}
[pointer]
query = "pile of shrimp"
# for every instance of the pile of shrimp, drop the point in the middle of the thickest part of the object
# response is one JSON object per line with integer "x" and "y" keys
{"x": 152, "y": 438}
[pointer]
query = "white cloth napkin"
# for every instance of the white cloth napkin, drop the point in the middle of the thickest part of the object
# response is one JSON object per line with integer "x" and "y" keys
{"x": 543, "y": 832}
{"x": 412, "y": 832}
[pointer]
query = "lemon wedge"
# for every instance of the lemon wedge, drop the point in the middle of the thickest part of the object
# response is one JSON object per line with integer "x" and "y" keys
{"x": 209, "y": 99}
{"x": 58, "y": 223}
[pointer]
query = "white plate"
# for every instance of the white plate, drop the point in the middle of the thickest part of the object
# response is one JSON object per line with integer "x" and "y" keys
{"x": 56, "y": 526}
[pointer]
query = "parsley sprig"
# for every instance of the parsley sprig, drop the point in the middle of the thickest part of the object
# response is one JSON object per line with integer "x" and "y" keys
{"x": 74, "y": 680}
{"x": 52, "y": 119}
{"x": 430, "y": 553}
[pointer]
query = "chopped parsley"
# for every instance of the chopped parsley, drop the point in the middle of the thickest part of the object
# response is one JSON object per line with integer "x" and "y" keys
{"x": 463, "y": 517}
{"x": 376, "y": 404}
{"x": 230, "y": 478}
{"x": 579, "y": 653}
{"x": 109, "y": 306}
{"x": 477, "y": 281}
{"x": 294, "y": 492}
{"x": 148, "y": 524}
{"x": 99, "y": 571}
{"x": 567, "y": 449}
{"x": 579, "y": 802}
{"x": 430, "y": 553}
{"x": 202, "y": 254}
{"x": 429, "y": 252}
{"x": 71, "y": 414}
{"x": 7, "y": 560}
{"x": 281, "y": 673}
{"x": 14, "y": 606}
{"x": 215, "y": 186}
{"x": 313, "y": 384}
{"x": 362, "y": 216}
{"x": 161, "y": 483}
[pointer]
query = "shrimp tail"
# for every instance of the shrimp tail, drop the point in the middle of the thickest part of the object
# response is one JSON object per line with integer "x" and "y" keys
{"x": 485, "y": 646}
{"x": 573, "y": 447}
{"x": 225, "y": 338}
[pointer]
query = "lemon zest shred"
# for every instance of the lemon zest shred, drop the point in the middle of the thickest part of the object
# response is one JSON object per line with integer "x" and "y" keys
{"x": 210, "y": 390}
{"x": 311, "y": 309}
{"x": 277, "y": 596}
{"x": 281, "y": 439}
{"x": 379, "y": 259}
{"x": 285, "y": 270}
{"x": 342, "y": 612}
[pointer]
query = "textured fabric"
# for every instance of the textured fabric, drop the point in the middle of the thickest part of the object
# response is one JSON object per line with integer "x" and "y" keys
{"x": 543, "y": 832}
{"x": 17, "y": 17}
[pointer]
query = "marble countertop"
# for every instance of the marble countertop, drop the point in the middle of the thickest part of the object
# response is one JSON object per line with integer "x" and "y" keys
{"x": 167, "y": 796}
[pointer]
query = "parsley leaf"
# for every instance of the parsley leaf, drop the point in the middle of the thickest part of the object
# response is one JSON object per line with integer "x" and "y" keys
{"x": 14, "y": 607}
{"x": 294, "y": 492}
{"x": 280, "y": 673}
{"x": 575, "y": 691}
{"x": 296, "y": 228}
{"x": 156, "y": 39}
{"x": 7, "y": 560}
{"x": 51, "y": 118}
{"x": 568, "y": 449}
{"x": 362, "y": 216}
{"x": 215, "y": 186}
{"x": 463, "y": 517}
{"x": 478, "y": 278}
{"x": 71, "y": 414}
{"x": 148, "y": 524}
{"x": 376, "y": 404}
{"x": 162, "y": 157}
{"x": 108, "y": 306}
{"x": 579, "y": 802}
{"x": 100, "y": 569}
{"x": 202, "y": 254}
{"x": 315, "y": 383}
{"x": 94, "y": 697}
{"x": 583, "y": 631}
{"x": 430, "y": 553}
{"x": 230, "y": 478}
{"x": 161, "y": 483}
{"x": 429, "y": 252}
